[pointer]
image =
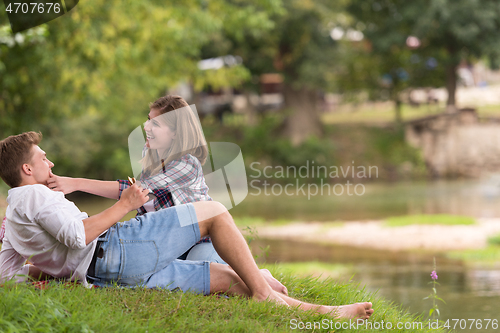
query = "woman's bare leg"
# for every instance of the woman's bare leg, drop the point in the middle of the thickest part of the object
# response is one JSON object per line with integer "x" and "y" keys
{"x": 225, "y": 280}
{"x": 215, "y": 221}
{"x": 356, "y": 310}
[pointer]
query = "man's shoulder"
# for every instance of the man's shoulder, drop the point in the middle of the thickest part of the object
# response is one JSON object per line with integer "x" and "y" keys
{"x": 30, "y": 191}
{"x": 26, "y": 189}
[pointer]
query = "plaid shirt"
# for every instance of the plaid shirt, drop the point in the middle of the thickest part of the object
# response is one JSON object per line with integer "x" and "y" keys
{"x": 181, "y": 181}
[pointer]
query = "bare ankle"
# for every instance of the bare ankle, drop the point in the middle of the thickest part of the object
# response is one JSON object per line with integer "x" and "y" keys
{"x": 261, "y": 295}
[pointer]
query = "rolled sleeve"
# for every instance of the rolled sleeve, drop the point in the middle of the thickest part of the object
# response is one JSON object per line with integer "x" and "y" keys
{"x": 72, "y": 234}
{"x": 63, "y": 226}
{"x": 123, "y": 185}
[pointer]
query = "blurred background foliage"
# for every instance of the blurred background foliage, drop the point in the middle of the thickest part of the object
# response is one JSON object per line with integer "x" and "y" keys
{"x": 86, "y": 78}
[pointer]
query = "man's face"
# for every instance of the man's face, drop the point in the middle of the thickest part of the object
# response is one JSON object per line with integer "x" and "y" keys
{"x": 40, "y": 165}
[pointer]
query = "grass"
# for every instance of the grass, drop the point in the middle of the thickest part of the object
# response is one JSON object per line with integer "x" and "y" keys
{"x": 317, "y": 269}
{"x": 494, "y": 240}
{"x": 246, "y": 221}
{"x": 488, "y": 256}
{"x": 60, "y": 308}
{"x": 381, "y": 113}
{"x": 252, "y": 221}
{"x": 489, "y": 110}
{"x": 439, "y": 219}
{"x": 384, "y": 113}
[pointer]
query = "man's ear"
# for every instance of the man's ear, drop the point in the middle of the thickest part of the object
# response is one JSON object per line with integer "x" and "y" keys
{"x": 27, "y": 169}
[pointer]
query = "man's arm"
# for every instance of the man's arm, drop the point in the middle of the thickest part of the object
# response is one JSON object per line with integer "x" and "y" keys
{"x": 132, "y": 198}
{"x": 37, "y": 274}
{"x": 12, "y": 265}
{"x": 103, "y": 188}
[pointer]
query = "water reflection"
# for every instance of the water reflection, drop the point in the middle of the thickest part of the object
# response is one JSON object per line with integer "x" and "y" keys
{"x": 468, "y": 197}
{"x": 484, "y": 282}
{"x": 403, "y": 277}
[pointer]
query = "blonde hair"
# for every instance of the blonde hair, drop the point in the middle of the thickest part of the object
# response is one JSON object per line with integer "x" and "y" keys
{"x": 180, "y": 118}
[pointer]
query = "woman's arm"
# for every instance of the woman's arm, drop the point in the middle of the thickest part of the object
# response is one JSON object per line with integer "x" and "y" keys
{"x": 103, "y": 188}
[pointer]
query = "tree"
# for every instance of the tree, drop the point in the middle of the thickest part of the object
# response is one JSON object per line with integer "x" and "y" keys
{"x": 300, "y": 48}
{"x": 462, "y": 30}
{"x": 388, "y": 62}
{"x": 447, "y": 31}
{"x": 85, "y": 79}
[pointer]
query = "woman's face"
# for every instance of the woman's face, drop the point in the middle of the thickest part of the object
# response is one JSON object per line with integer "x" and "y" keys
{"x": 159, "y": 135}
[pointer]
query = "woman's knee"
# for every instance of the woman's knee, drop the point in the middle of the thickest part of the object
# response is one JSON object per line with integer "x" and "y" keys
{"x": 206, "y": 210}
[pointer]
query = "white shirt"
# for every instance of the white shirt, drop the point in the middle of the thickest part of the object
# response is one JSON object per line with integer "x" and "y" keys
{"x": 46, "y": 229}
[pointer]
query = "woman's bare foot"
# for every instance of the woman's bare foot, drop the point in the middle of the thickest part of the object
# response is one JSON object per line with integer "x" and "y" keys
{"x": 275, "y": 284}
{"x": 354, "y": 311}
{"x": 273, "y": 297}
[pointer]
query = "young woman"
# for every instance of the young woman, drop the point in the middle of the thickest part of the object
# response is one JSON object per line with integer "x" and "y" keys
{"x": 173, "y": 156}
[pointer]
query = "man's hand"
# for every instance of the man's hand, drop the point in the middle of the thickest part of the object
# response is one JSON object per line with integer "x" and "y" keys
{"x": 134, "y": 197}
{"x": 62, "y": 184}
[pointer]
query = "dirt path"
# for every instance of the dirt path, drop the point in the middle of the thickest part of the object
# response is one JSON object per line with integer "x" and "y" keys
{"x": 373, "y": 234}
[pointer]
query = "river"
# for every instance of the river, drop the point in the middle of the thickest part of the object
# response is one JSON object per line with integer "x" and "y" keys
{"x": 403, "y": 277}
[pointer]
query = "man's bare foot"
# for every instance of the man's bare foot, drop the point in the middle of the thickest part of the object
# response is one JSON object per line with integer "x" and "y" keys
{"x": 353, "y": 311}
{"x": 275, "y": 284}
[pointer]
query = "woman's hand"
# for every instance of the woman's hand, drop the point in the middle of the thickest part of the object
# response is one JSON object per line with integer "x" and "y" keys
{"x": 62, "y": 184}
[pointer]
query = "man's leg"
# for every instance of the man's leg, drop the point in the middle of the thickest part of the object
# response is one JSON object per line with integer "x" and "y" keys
{"x": 224, "y": 280}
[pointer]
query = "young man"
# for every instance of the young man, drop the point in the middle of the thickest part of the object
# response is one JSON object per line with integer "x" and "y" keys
{"x": 62, "y": 242}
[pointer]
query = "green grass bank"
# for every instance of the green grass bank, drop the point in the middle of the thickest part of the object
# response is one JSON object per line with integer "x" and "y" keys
{"x": 61, "y": 308}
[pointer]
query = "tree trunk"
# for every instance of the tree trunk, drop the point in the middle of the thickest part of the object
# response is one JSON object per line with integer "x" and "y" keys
{"x": 397, "y": 104}
{"x": 451, "y": 87}
{"x": 304, "y": 120}
{"x": 250, "y": 110}
{"x": 394, "y": 95}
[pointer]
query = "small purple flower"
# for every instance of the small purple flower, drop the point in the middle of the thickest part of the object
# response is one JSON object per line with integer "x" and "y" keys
{"x": 434, "y": 275}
